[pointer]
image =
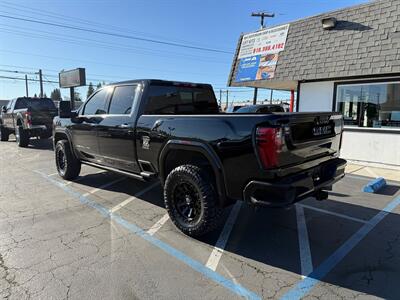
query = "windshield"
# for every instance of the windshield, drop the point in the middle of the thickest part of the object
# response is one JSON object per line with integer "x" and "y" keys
{"x": 35, "y": 103}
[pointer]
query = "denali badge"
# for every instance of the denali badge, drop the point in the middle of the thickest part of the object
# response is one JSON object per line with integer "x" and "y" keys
{"x": 146, "y": 142}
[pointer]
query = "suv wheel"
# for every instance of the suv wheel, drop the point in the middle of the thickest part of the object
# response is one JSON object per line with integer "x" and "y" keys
{"x": 68, "y": 166}
{"x": 191, "y": 201}
{"x": 3, "y": 134}
{"x": 21, "y": 136}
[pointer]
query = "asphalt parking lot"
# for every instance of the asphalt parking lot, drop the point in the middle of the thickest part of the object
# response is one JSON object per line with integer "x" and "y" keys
{"x": 105, "y": 236}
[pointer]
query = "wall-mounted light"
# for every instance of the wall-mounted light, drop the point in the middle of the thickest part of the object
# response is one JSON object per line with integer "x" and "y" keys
{"x": 328, "y": 23}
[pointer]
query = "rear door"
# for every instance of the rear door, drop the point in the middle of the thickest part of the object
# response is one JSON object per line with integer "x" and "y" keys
{"x": 84, "y": 127}
{"x": 116, "y": 132}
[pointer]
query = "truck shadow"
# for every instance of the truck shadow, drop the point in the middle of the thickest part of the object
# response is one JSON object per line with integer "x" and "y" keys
{"x": 267, "y": 240}
{"x": 39, "y": 144}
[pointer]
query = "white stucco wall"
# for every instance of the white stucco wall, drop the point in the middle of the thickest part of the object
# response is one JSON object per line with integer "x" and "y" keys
{"x": 374, "y": 147}
{"x": 316, "y": 96}
{"x": 379, "y": 147}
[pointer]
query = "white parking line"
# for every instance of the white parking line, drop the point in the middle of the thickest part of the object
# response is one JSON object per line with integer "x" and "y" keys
{"x": 130, "y": 199}
{"x": 158, "y": 225}
{"x": 103, "y": 186}
{"x": 216, "y": 254}
{"x": 333, "y": 213}
{"x": 304, "y": 243}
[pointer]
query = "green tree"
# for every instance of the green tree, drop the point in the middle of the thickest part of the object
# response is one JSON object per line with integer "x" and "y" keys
{"x": 35, "y": 95}
{"x": 90, "y": 90}
{"x": 56, "y": 95}
{"x": 98, "y": 85}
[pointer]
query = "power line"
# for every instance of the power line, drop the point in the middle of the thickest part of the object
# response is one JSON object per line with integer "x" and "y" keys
{"x": 98, "y": 64}
{"x": 116, "y": 34}
{"x": 29, "y": 79}
{"x": 58, "y": 16}
{"x": 18, "y": 72}
{"x": 96, "y": 43}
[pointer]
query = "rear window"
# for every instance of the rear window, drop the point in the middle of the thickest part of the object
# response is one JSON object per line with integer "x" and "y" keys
{"x": 245, "y": 109}
{"x": 180, "y": 100}
{"x": 35, "y": 104}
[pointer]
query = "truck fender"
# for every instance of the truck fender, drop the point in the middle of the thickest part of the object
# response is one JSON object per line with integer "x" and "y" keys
{"x": 65, "y": 133}
{"x": 206, "y": 151}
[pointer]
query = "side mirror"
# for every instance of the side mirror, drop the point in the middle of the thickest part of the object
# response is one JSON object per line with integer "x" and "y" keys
{"x": 4, "y": 109}
{"x": 64, "y": 109}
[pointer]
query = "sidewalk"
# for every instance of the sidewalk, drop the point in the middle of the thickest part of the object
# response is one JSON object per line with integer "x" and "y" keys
{"x": 374, "y": 172}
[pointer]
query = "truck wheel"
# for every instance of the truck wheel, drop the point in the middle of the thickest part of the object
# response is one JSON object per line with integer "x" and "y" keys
{"x": 3, "y": 134}
{"x": 21, "y": 136}
{"x": 68, "y": 166}
{"x": 191, "y": 201}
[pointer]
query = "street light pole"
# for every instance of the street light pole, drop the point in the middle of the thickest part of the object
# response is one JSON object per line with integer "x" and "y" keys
{"x": 261, "y": 15}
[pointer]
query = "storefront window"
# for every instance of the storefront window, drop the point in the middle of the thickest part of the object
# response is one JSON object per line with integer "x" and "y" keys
{"x": 369, "y": 104}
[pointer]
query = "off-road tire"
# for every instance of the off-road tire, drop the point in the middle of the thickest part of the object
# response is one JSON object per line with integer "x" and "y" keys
{"x": 68, "y": 166}
{"x": 202, "y": 184}
{"x": 4, "y": 134}
{"x": 21, "y": 136}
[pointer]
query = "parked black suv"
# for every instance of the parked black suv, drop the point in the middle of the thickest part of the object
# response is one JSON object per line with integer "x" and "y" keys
{"x": 27, "y": 117}
{"x": 206, "y": 160}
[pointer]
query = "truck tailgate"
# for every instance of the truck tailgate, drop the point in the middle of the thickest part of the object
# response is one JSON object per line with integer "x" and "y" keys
{"x": 306, "y": 137}
{"x": 43, "y": 117}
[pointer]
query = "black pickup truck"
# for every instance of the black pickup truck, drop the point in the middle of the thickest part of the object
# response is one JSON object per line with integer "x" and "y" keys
{"x": 27, "y": 117}
{"x": 206, "y": 160}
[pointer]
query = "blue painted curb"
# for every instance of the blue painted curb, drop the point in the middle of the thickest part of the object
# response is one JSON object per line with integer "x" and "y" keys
{"x": 374, "y": 185}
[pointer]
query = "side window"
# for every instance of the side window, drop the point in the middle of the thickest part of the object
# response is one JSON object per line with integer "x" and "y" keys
{"x": 122, "y": 100}
{"x": 180, "y": 100}
{"x": 9, "y": 105}
{"x": 97, "y": 104}
{"x": 162, "y": 100}
{"x": 20, "y": 103}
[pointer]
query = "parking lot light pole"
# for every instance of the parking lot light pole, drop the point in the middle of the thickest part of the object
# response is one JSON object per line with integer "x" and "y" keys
{"x": 72, "y": 96}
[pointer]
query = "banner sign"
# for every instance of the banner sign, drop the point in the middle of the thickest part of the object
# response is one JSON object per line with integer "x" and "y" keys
{"x": 72, "y": 78}
{"x": 259, "y": 53}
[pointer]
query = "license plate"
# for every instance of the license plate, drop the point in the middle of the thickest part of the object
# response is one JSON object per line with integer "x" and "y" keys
{"x": 322, "y": 130}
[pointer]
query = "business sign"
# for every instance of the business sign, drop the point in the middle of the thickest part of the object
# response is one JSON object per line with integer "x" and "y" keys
{"x": 72, "y": 78}
{"x": 259, "y": 53}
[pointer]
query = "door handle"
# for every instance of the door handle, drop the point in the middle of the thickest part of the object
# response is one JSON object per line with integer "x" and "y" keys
{"x": 156, "y": 125}
{"x": 125, "y": 125}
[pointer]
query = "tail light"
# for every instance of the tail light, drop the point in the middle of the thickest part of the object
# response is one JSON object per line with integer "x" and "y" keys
{"x": 269, "y": 142}
{"x": 28, "y": 117}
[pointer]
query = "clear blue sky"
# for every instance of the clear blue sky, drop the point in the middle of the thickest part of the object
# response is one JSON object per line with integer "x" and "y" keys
{"x": 215, "y": 24}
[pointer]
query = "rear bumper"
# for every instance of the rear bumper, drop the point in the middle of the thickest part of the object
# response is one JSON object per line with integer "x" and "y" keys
{"x": 293, "y": 188}
{"x": 37, "y": 130}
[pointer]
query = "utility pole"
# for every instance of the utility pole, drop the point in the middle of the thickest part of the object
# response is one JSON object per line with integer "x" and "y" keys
{"x": 227, "y": 100}
{"x": 270, "y": 97}
{"x": 262, "y": 15}
{"x": 26, "y": 85}
{"x": 220, "y": 98}
{"x": 41, "y": 83}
